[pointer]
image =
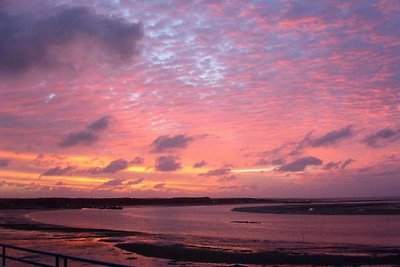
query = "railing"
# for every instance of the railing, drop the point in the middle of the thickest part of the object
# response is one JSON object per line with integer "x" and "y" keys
{"x": 60, "y": 260}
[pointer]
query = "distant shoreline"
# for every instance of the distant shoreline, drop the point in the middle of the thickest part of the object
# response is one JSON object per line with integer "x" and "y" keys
{"x": 78, "y": 203}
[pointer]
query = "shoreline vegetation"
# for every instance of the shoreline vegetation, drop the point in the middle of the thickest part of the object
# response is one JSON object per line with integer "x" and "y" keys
{"x": 286, "y": 253}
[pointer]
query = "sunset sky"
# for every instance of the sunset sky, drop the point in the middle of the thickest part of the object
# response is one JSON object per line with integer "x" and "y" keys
{"x": 104, "y": 98}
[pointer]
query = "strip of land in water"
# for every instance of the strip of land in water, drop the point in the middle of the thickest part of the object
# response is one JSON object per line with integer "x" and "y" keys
{"x": 384, "y": 208}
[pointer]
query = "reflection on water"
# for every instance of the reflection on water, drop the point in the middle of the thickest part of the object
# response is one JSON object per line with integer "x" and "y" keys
{"x": 218, "y": 222}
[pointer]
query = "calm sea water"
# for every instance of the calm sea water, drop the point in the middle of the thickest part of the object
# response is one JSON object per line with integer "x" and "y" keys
{"x": 217, "y": 222}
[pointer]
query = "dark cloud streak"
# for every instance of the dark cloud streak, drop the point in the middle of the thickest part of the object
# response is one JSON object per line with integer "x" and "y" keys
{"x": 4, "y": 162}
{"x": 77, "y": 138}
{"x": 86, "y": 137}
{"x": 159, "y": 186}
{"x": 100, "y": 124}
{"x": 200, "y": 164}
{"x": 346, "y": 163}
{"x": 216, "y": 172}
{"x": 115, "y": 166}
{"x": 137, "y": 161}
{"x": 57, "y": 171}
{"x": 331, "y": 166}
{"x": 332, "y": 138}
{"x": 134, "y": 182}
{"x": 112, "y": 183}
{"x": 382, "y": 137}
{"x": 167, "y": 163}
{"x": 300, "y": 164}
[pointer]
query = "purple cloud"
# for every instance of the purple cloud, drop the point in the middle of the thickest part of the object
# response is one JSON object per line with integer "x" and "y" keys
{"x": 166, "y": 142}
{"x": 278, "y": 161}
{"x": 332, "y": 137}
{"x": 264, "y": 162}
{"x": 115, "y": 166}
{"x": 261, "y": 162}
{"x": 159, "y": 186}
{"x": 4, "y": 162}
{"x": 137, "y": 161}
{"x": 331, "y": 165}
{"x": 300, "y": 164}
{"x": 78, "y": 138}
{"x": 100, "y": 124}
{"x": 134, "y": 182}
{"x": 57, "y": 171}
{"x": 299, "y": 146}
{"x": 382, "y": 137}
{"x": 346, "y": 163}
{"x": 113, "y": 183}
{"x": 27, "y": 39}
{"x": 200, "y": 164}
{"x": 216, "y": 172}
{"x": 120, "y": 182}
{"x": 337, "y": 165}
{"x": 167, "y": 163}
